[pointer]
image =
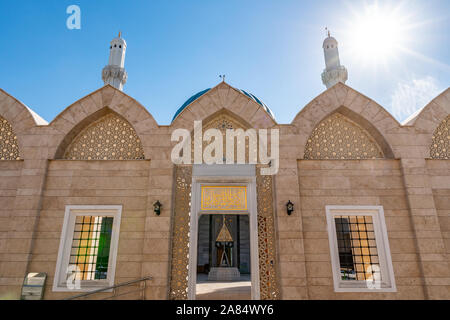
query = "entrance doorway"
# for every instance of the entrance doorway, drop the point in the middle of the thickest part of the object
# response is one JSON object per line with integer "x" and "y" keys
{"x": 223, "y": 257}
{"x": 225, "y": 192}
{"x": 188, "y": 211}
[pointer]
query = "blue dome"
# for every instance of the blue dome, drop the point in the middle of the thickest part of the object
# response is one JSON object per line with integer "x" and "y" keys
{"x": 199, "y": 94}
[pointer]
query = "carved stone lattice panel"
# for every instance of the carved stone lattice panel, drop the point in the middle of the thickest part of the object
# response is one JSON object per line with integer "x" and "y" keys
{"x": 440, "y": 144}
{"x": 266, "y": 239}
{"x": 9, "y": 149}
{"x": 337, "y": 137}
{"x": 180, "y": 234}
{"x": 223, "y": 122}
{"x": 109, "y": 138}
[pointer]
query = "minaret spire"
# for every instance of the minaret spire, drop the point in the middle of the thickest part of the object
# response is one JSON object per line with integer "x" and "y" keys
{"x": 114, "y": 73}
{"x": 333, "y": 72}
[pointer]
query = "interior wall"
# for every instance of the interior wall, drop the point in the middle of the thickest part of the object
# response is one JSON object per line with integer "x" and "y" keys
{"x": 207, "y": 233}
{"x": 203, "y": 240}
{"x": 244, "y": 238}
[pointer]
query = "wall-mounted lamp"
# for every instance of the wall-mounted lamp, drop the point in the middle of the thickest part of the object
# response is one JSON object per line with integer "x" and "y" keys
{"x": 157, "y": 207}
{"x": 289, "y": 207}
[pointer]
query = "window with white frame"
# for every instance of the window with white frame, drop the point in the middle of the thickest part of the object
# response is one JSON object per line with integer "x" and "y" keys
{"x": 360, "y": 255}
{"x": 88, "y": 248}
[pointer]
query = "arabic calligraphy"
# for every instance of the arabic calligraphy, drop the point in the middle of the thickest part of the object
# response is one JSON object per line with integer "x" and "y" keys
{"x": 224, "y": 198}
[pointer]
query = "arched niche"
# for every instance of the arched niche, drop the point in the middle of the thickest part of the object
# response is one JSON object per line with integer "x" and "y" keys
{"x": 105, "y": 135}
{"x": 346, "y": 135}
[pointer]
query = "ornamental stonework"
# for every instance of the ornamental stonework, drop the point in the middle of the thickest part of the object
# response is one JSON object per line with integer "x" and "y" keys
{"x": 266, "y": 238}
{"x": 180, "y": 234}
{"x": 114, "y": 72}
{"x": 223, "y": 122}
{"x": 109, "y": 138}
{"x": 337, "y": 137}
{"x": 9, "y": 149}
{"x": 440, "y": 144}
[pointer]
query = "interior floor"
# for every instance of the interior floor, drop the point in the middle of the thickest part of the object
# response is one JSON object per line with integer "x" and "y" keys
{"x": 223, "y": 290}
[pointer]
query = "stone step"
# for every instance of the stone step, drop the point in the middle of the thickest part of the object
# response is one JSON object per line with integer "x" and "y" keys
{"x": 224, "y": 274}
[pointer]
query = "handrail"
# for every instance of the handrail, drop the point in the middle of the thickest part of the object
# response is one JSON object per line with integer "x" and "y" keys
{"x": 122, "y": 284}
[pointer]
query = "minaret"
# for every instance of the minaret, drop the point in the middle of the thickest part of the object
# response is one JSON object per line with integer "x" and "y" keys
{"x": 333, "y": 72}
{"x": 114, "y": 73}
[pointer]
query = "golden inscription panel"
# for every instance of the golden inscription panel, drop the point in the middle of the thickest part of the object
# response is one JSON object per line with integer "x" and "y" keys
{"x": 222, "y": 198}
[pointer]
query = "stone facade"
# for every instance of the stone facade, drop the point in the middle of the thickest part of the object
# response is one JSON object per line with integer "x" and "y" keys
{"x": 407, "y": 171}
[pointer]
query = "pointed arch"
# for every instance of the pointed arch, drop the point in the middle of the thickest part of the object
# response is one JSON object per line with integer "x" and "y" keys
{"x": 356, "y": 108}
{"x": 18, "y": 114}
{"x": 223, "y": 96}
{"x": 103, "y": 136}
{"x": 80, "y": 114}
{"x": 432, "y": 121}
{"x": 440, "y": 143}
{"x": 223, "y": 120}
{"x": 430, "y": 116}
{"x": 16, "y": 120}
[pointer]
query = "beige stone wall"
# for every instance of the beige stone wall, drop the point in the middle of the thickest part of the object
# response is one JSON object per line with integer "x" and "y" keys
{"x": 35, "y": 190}
{"x": 23, "y": 206}
{"x": 439, "y": 172}
{"x": 11, "y": 250}
{"x": 414, "y": 191}
{"x": 289, "y": 229}
{"x": 93, "y": 183}
{"x": 356, "y": 182}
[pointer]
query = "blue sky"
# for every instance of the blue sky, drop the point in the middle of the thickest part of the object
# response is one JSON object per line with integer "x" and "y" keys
{"x": 272, "y": 49}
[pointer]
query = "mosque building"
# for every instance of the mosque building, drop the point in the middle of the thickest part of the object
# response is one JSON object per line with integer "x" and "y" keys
{"x": 93, "y": 203}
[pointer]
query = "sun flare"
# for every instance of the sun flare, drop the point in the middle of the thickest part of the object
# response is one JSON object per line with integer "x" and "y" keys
{"x": 377, "y": 33}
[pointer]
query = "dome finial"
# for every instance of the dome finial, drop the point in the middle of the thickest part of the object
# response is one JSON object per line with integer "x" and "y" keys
{"x": 328, "y": 31}
{"x": 120, "y": 34}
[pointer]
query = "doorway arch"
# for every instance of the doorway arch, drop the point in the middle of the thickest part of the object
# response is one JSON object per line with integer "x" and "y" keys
{"x": 184, "y": 238}
{"x": 225, "y": 175}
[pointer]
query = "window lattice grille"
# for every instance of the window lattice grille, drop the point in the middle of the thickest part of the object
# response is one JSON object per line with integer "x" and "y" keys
{"x": 357, "y": 247}
{"x": 91, "y": 246}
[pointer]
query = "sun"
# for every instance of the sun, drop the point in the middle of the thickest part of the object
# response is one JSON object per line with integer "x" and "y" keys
{"x": 377, "y": 34}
